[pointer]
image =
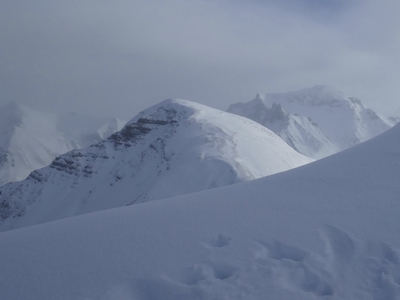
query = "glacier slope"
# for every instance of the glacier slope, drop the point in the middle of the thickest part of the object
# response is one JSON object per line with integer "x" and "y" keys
{"x": 173, "y": 148}
{"x": 327, "y": 230}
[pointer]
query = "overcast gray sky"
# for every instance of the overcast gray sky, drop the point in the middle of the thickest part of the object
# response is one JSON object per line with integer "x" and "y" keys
{"x": 118, "y": 57}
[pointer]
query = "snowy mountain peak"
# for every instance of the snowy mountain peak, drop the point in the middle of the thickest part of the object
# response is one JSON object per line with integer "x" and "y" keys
{"x": 175, "y": 147}
{"x": 169, "y": 110}
{"x": 319, "y": 121}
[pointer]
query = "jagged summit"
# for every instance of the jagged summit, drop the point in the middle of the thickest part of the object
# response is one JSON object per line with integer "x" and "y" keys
{"x": 320, "y": 120}
{"x": 175, "y": 147}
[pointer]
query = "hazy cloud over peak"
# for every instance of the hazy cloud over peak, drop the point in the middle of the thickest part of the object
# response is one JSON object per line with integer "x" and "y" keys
{"x": 117, "y": 58}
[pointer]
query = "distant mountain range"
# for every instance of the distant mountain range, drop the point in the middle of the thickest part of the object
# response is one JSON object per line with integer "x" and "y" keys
{"x": 30, "y": 139}
{"x": 173, "y": 148}
{"x": 317, "y": 121}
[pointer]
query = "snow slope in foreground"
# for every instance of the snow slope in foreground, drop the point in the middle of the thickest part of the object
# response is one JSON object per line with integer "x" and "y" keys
{"x": 173, "y": 148}
{"x": 328, "y": 230}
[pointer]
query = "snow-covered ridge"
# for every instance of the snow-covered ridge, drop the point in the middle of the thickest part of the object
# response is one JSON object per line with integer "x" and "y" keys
{"x": 173, "y": 148}
{"x": 30, "y": 139}
{"x": 318, "y": 121}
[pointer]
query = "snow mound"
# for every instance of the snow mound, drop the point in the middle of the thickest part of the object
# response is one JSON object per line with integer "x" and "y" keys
{"x": 316, "y": 122}
{"x": 173, "y": 148}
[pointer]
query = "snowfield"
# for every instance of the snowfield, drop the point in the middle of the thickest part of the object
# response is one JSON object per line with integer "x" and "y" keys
{"x": 173, "y": 148}
{"x": 327, "y": 230}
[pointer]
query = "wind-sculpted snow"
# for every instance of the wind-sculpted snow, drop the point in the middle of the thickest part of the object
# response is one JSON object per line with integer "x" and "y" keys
{"x": 173, "y": 148}
{"x": 316, "y": 122}
{"x": 30, "y": 139}
{"x": 327, "y": 230}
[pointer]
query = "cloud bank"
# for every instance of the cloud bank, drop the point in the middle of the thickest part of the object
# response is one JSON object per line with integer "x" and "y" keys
{"x": 117, "y": 58}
